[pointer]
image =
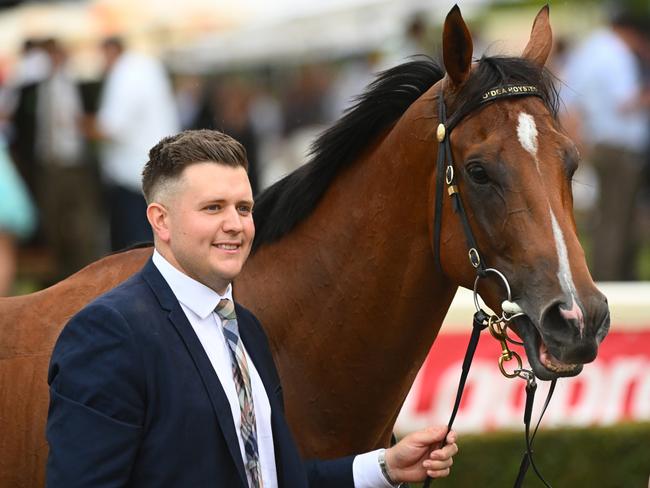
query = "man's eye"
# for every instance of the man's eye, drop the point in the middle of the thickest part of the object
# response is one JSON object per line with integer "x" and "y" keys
{"x": 244, "y": 209}
{"x": 212, "y": 208}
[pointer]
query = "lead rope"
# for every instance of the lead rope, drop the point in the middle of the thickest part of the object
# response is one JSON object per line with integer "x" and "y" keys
{"x": 527, "y": 460}
{"x": 480, "y": 322}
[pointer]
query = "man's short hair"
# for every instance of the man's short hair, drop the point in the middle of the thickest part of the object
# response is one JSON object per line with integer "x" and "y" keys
{"x": 173, "y": 154}
{"x": 113, "y": 42}
{"x": 627, "y": 18}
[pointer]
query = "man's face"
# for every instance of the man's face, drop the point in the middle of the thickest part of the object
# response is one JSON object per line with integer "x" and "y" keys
{"x": 111, "y": 53}
{"x": 210, "y": 223}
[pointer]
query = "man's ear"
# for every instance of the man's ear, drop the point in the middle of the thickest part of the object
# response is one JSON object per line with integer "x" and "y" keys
{"x": 158, "y": 217}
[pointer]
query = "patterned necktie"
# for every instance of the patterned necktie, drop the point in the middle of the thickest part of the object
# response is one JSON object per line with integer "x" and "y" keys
{"x": 226, "y": 311}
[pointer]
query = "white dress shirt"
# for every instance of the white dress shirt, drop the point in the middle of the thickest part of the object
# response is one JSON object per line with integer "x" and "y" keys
{"x": 199, "y": 302}
{"x": 603, "y": 76}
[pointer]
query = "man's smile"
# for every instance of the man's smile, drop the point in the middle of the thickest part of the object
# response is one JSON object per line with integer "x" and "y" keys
{"x": 228, "y": 246}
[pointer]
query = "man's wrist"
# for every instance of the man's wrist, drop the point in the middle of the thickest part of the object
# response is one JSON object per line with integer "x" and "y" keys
{"x": 385, "y": 470}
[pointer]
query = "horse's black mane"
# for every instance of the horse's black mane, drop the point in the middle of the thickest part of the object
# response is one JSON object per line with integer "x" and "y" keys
{"x": 292, "y": 199}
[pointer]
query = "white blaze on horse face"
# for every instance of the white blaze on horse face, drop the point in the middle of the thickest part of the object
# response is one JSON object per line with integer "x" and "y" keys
{"x": 527, "y": 134}
{"x": 565, "y": 277}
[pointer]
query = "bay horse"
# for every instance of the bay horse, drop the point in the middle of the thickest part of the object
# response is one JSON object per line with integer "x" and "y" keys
{"x": 344, "y": 276}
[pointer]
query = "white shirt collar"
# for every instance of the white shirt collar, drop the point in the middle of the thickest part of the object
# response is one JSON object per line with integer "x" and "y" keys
{"x": 194, "y": 295}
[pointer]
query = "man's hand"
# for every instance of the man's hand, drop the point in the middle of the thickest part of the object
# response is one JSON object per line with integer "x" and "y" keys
{"x": 419, "y": 455}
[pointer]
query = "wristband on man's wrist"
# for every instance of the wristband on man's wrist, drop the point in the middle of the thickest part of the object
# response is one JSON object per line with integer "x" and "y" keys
{"x": 384, "y": 468}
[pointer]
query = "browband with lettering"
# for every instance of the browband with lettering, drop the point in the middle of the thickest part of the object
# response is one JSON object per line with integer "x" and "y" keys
{"x": 510, "y": 91}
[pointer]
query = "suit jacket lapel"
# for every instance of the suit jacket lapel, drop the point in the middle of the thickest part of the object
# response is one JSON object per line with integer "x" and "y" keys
{"x": 288, "y": 463}
{"x": 208, "y": 376}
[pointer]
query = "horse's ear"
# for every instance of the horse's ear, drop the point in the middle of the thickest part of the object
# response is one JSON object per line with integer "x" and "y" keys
{"x": 541, "y": 39}
{"x": 456, "y": 47}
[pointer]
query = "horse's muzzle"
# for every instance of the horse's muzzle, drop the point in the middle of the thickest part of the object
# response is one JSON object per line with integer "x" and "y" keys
{"x": 566, "y": 337}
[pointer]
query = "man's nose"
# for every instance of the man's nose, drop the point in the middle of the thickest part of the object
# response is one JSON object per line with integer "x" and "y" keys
{"x": 232, "y": 220}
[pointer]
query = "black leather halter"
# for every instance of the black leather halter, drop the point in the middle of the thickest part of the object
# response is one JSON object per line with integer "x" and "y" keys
{"x": 445, "y": 166}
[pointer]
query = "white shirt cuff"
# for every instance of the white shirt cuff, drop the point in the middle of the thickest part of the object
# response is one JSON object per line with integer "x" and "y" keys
{"x": 367, "y": 473}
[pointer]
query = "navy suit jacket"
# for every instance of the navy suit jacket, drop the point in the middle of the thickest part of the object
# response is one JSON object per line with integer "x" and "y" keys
{"x": 135, "y": 401}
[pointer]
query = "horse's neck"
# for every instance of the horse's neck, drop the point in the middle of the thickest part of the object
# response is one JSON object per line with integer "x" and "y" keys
{"x": 352, "y": 301}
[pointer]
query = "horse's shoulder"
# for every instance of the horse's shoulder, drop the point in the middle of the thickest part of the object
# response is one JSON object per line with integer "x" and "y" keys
{"x": 126, "y": 298}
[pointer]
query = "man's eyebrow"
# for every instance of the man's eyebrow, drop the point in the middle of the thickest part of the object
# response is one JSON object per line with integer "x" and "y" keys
{"x": 244, "y": 201}
{"x": 211, "y": 200}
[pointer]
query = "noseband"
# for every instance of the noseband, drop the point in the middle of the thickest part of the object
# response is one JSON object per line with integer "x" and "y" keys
{"x": 497, "y": 324}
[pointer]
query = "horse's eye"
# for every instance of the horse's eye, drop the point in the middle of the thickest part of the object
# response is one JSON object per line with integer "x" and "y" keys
{"x": 477, "y": 173}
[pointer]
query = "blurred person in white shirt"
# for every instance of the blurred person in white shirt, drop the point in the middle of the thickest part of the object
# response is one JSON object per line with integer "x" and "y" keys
{"x": 136, "y": 110}
{"x": 603, "y": 85}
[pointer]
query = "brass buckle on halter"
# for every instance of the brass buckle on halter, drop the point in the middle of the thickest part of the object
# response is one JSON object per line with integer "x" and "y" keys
{"x": 498, "y": 328}
{"x": 498, "y": 331}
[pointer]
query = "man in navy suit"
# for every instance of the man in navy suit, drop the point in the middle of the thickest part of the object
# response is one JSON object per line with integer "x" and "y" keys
{"x": 147, "y": 388}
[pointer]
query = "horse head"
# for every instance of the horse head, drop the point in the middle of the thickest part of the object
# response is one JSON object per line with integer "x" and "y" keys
{"x": 513, "y": 170}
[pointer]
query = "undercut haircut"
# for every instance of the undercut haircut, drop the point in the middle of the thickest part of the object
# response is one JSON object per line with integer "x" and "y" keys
{"x": 173, "y": 154}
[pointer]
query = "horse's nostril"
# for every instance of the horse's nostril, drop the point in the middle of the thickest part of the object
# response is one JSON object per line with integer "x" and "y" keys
{"x": 562, "y": 316}
{"x": 561, "y": 325}
{"x": 556, "y": 317}
{"x": 563, "y": 331}
{"x": 572, "y": 313}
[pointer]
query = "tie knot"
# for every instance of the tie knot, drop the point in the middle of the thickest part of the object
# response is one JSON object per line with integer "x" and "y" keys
{"x": 226, "y": 309}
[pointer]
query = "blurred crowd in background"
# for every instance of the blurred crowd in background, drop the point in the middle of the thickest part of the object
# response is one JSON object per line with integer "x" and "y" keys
{"x": 71, "y": 152}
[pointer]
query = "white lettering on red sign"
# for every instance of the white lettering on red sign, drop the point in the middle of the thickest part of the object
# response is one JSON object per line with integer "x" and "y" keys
{"x": 614, "y": 388}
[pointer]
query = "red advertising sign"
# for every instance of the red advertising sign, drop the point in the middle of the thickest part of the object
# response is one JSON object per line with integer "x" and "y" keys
{"x": 614, "y": 388}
